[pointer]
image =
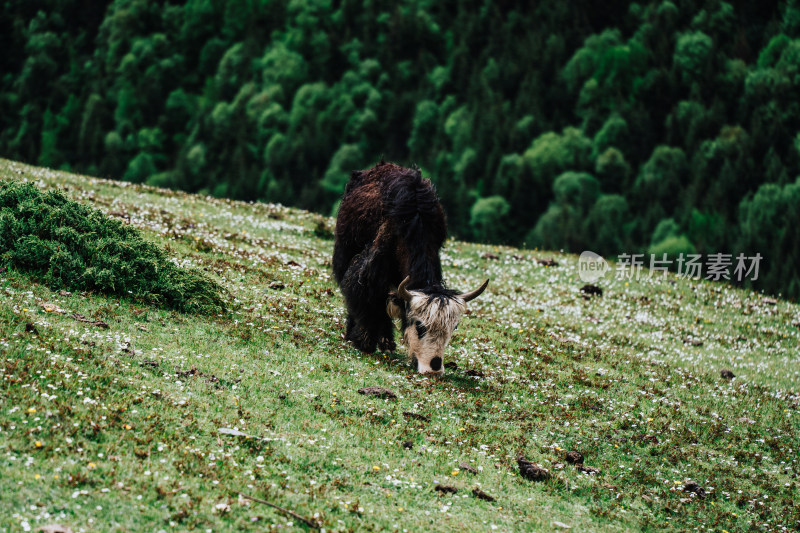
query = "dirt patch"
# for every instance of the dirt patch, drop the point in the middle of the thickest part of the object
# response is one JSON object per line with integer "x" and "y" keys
{"x": 726, "y": 374}
{"x": 532, "y": 471}
{"x": 574, "y": 458}
{"x": 549, "y": 262}
{"x": 52, "y": 308}
{"x": 408, "y": 444}
{"x": 415, "y": 416}
{"x": 445, "y": 489}
{"x": 468, "y": 467}
{"x": 80, "y": 318}
{"x": 379, "y": 392}
{"x": 31, "y": 328}
{"x": 695, "y": 488}
{"x": 590, "y": 470}
{"x": 590, "y": 290}
{"x": 478, "y": 493}
{"x": 187, "y": 373}
{"x": 140, "y": 453}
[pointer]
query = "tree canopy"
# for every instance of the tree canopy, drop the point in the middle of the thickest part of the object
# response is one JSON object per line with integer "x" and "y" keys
{"x": 613, "y": 126}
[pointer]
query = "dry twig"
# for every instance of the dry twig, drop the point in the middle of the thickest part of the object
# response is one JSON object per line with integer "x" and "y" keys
{"x": 306, "y": 521}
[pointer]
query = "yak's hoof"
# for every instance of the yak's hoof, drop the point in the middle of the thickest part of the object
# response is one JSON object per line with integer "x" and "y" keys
{"x": 364, "y": 345}
{"x": 367, "y": 348}
{"x": 387, "y": 344}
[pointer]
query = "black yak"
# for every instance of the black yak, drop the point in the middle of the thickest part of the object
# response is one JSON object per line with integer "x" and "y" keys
{"x": 389, "y": 231}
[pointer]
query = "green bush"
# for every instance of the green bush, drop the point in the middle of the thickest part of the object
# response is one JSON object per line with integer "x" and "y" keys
{"x": 673, "y": 246}
{"x": 67, "y": 245}
{"x": 488, "y": 218}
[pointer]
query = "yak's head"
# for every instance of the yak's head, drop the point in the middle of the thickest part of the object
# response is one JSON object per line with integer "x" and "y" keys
{"x": 428, "y": 319}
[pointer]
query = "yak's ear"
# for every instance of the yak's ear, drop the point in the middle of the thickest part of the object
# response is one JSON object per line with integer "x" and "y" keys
{"x": 355, "y": 179}
{"x": 394, "y": 306}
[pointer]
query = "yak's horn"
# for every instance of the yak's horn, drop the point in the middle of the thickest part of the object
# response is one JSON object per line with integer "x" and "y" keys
{"x": 401, "y": 290}
{"x": 474, "y": 294}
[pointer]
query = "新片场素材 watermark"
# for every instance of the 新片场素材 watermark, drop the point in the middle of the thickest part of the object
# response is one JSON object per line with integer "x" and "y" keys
{"x": 593, "y": 267}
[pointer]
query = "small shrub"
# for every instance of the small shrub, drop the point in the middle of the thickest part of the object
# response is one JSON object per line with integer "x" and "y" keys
{"x": 67, "y": 245}
{"x": 322, "y": 230}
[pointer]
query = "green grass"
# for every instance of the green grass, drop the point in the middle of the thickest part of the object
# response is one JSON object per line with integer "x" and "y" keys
{"x": 118, "y": 428}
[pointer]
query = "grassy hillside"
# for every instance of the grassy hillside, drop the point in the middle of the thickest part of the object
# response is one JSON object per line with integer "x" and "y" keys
{"x": 119, "y": 427}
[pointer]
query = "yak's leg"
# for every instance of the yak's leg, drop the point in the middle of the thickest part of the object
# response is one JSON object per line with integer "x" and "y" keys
{"x": 356, "y": 330}
{"x": 342, "y": 258}
{"x": 386, "y": 339}
{"x": 356, "y": 294}
{"x": 351, "y": 326}
{"x": 363, "y": 288}
{"x": 380, "y": 326}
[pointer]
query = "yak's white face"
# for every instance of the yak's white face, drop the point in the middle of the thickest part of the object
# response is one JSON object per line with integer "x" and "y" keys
{"x": 429, "y": 322}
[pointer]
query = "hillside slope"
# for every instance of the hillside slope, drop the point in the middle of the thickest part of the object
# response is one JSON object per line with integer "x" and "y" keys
{"x": 118, "y": 428}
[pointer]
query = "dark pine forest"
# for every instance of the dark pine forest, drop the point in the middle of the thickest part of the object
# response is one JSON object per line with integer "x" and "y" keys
{"x": 658, "y": 127}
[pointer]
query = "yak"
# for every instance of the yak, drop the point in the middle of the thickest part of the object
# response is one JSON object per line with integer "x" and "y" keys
{"x": 388, "y": 234}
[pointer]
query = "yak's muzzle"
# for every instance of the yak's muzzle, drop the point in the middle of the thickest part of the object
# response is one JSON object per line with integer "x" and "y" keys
{"x": 434, "y": 367}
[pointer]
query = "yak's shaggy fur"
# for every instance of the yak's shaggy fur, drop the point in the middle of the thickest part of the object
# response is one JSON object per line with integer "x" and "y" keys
{"x": 391, "y": 225}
